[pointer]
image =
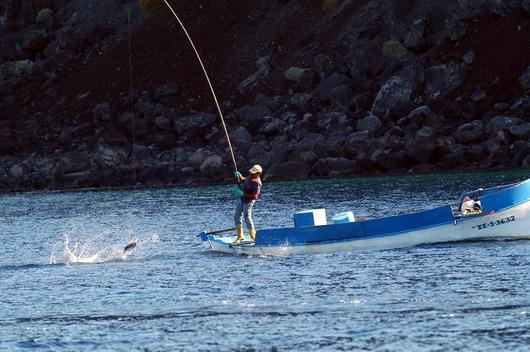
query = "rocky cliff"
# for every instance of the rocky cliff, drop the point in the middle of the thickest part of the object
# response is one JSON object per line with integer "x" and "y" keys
{"x": 309, "y": 88}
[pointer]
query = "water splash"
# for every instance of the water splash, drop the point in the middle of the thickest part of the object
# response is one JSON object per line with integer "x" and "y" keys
{"x": 104, "y": 247}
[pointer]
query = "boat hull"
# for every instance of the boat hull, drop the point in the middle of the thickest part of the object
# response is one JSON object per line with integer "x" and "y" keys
{"x": 510, "y": 221}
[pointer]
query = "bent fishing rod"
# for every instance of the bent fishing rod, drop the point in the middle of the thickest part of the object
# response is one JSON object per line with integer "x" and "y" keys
{"x": 207, "y": 79}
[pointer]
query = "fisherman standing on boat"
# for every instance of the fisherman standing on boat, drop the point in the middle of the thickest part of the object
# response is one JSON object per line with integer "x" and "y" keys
{"x": 248, "y": 192}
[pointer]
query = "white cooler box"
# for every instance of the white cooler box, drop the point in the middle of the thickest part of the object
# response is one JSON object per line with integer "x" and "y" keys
{"x": 313, "y": 217}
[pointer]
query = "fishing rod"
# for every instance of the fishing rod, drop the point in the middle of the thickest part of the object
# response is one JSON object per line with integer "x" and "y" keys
{"x": 209, "y": 82}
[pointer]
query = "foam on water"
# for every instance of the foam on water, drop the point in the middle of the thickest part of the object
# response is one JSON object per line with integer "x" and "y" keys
{"x": 107, "y": 246}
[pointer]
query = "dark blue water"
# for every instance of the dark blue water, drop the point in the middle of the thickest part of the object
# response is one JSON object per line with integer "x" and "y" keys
{"x": 169, "y": 295}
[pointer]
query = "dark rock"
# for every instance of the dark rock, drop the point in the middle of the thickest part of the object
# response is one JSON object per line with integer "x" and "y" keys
{"x": 101, "y": 112}
{"x": 479, "y": 95}
{"x": 167, "y": 92}
{"x": 520, "y": 131}
{"x": 470, "y": 132}
{"x": 258, "y": 153}
{"x": 333, "y": 167}
{"x": 44, "y": 15}
{"x": 164, "y": 123}
{"x": 526, "y": 162}
{"x": 251, "y": 116}
{"x": 301, "y": 101}
{"x": 329, "y": 83}
{"x": 145, "y": 105}
{"x": 358, "y": 137}
{"x": 272, "y": 126}
{"x": 425, "y": 133}
{"x": 156, "y": 174}
{"x": 325, "y": 66}
{"x": 36, "y": 41}
{"x": 198, "y": 157}
{"x": 311, "y": 141}
{"x": 273, "y": 102}
{"x": 264, "y": 68}
{"x": 499, "y": 123}
{"x": 469, "y": 57}
{"x": 398, "y": 90}
{"x": 440, "y": 80}
{"x": 211, "y": 165}
{"x": 421, "y": 150}
{"x": 370, "y": 124}
{"x": 524, "y": 79}
{"x": 333, "y": 121}
{"x": 415, "y": 36}
{"x": 109, "y": 156}
{"x": 194, "y": 123}
{"x": 74, "y": 162}
{"x": 288, "y": 170}
{"x": 415, "y": 117}
{"x": 504, "y": 137}
{"x": 302, "y": 76}
{"x": 241, "y": 138}
{"x": 501, "y": 107}
{"x": 388, "y": 160}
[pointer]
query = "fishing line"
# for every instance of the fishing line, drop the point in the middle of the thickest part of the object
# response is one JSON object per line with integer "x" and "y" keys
{"x": 209, "y": 82}
{"x": 129, "y": 9}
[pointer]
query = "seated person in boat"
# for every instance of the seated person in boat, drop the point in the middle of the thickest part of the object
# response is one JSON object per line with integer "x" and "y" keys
{"x": 248, "y": 192}
{"x": 471, "y": 206}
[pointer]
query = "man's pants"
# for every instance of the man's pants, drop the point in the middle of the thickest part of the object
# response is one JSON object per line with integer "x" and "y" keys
{"x": 244, "y": 210}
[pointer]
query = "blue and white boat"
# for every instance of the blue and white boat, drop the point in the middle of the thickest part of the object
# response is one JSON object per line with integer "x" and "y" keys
{"x": 498, "y": 213}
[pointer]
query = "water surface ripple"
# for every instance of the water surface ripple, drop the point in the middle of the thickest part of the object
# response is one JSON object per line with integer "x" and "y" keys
{"x": 170, "y": 295}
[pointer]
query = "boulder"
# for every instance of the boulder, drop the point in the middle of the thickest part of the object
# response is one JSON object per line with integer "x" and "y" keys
{"x": 302, "y": 76}
{"x": 164, "y": 123}
{"x": 357, "y": 138}
{"x": 394, "y": 50}
{"x": 415, "y": 36}
{"x": 311, "y": 141}
{"x": 145, "y": 105}
{"x": 198, "y": 122}
{"x": 288, "y": 170}
{"x": 470, "y": 132}
{"x": 370, "y": 124}
{"x": 258, "y": 153}
{"x": 398, "y": 90}
{"x": 36, "y": 41}
{"x": 301, "y": 101}
{"x": 332, "y": 81}
{"x": 211, "y": 165}
{"x": 524, "y": 79}
{"x": 101, "y": 112}
{"x": 499, "y": 123}
{"x": 333, "y": 167}
{"x": 440, "y": 80}
{"x": 526, "y": 162}
{"x": 333, "y": 121}
{"x": 167, "y": 92}
{"x": 108, "y": 156}
{"x": 330, "y": 5}
{"x": 272, "y": 127}
{"x": 74, "y": 162}
{"x": 469, "y": 57}
{"x": 273, "y": 102}
{"x": 520, "y": 131}
{"x": 44, "y": 15}
{"x": 264, "y": 68}
{"x": 252, "y": 116}
{"x": 241, "y": 138}
{"x": 198, "y": 157}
